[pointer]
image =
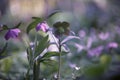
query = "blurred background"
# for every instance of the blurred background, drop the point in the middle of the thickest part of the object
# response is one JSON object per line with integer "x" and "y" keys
{"x": 96, "y": 56}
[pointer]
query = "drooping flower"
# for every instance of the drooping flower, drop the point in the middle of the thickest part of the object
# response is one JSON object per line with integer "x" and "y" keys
{"x": 12, "y": 33}
{"x": 61, "y": 28}
{"x": 42, "y": 26}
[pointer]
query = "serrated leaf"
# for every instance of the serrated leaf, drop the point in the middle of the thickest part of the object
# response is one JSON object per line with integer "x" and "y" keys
{"x": 33, "y": 24}
{"x": 42, "y": 45}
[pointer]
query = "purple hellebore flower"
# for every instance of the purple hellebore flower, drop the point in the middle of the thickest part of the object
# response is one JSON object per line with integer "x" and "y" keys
{"x": 103, "y": 36}
{"x": 12, "y": 33}
{"x": 42, "y": 26}
{"x": 72, "y": 65}
{"x": 82, "y": 33}
{"x": 95, "y": 51}
{"x": 112, "y": 45}
{"x": 79, "y": 47}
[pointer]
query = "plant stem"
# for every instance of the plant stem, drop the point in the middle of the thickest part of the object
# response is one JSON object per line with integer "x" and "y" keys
{"x": 36, "y": 70}
{"x": 59, "y": 69}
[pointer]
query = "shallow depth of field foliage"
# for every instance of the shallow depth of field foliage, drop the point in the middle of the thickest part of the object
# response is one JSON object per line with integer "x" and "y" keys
{"x": 59, "y": 40}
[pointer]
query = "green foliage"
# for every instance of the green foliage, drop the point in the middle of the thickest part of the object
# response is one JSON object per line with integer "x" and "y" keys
{"x": 33, "y": 24}
{"x": 97, "y": 70}
{"x": 36, "y": 70}
{"x": 7, "y": 65}
{"x": 94, "y": 70}
{"x": 18, "y": 25}
{"x": 105, "y": 60}
{"x": 29, "y": 55}
{"x": 5, "y": 27}
{"x": 51, "y": 54}
{"x": 44, "y": 43}
{"x": 52, "y": 14}
{"x": 2, "y": 52}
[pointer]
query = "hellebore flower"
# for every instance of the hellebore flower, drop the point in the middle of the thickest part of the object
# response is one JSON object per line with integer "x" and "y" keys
{"x": 12, "y": 33}
{"x": 103, "y": 36}
{"x": 82, "y": 33}
{"x": 95, "y": 51}
{"x": 112, "y": 45}
{"x": 61, "y": 28}
{"x": 42, "y": 26}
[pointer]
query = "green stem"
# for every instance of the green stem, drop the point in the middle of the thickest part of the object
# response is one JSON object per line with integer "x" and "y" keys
{"x": 27, "y": 74}
{"x": 36, "y": 63}
{"x": 59, "y": 58}
{"x": 36, "y": 70}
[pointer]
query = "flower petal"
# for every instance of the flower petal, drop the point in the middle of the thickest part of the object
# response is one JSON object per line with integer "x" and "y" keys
{"x": 12, "y": 33}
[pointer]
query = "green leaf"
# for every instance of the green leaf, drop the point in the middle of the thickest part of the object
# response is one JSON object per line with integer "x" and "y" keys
{"x": 44, "y": 43}
{"x": 3, "y": 49}
{"x": 94, "y": 70}
{"x": 33, "y": 24}
{"x": 53, "y": 13}
{"x": 2, "y": 55}
{"x": 49, "y": 62}
{"x": 18, "y": 25}
{"x": 36, "y": 18}
{"x": 7, "y": 64}
{"x": 46, "y": 56}
{"x": 51, "y": 54}
{"x": 29, "y": 55}
{"x": 5, "y": 27}
{"x": 105, "y": 60}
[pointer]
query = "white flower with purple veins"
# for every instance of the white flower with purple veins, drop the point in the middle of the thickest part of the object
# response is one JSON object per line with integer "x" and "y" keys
{"x": 95, "y": 51}
{"x": 12, "y": 33}
{"x": 103, "y": 36}
{"x": 42, "y": 26}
